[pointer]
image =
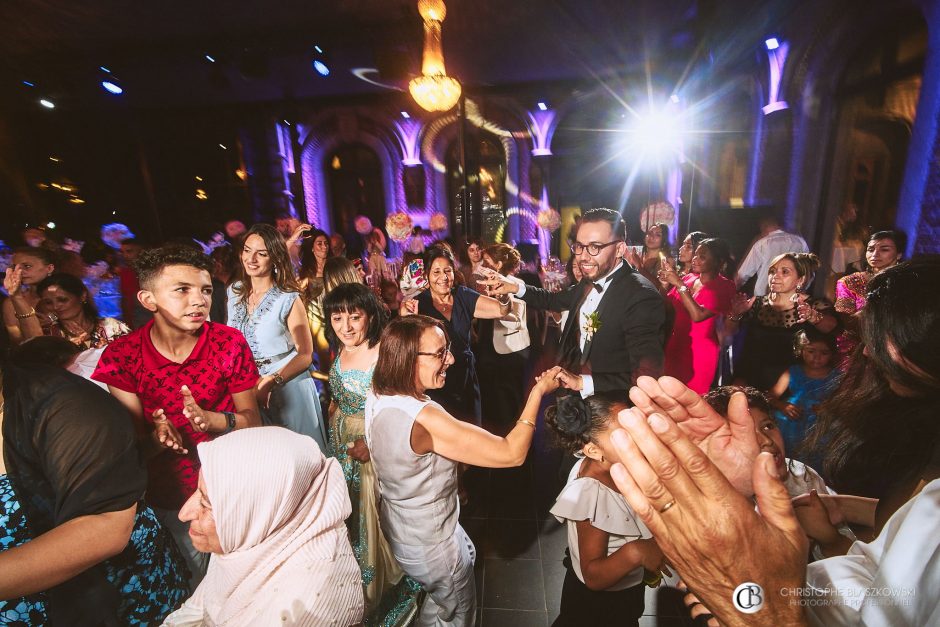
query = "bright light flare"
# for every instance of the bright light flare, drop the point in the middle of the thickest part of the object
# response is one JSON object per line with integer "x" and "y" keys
{"x": 772, "y": 43}
{"x": 47, "y": 103}
{"x": 657, "y": 134}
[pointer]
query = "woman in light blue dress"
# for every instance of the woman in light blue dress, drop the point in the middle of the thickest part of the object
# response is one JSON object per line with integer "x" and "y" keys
{"x": 264, "y": 304}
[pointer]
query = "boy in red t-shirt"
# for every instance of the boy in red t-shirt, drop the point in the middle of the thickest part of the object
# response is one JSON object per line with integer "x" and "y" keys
{"x": 184, "y": 379}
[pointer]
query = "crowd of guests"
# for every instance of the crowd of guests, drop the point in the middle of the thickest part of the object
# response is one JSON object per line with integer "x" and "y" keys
{"x": 265, "y": 428}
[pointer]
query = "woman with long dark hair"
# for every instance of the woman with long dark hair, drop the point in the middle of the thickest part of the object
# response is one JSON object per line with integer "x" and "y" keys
{"x": 314, "y": 251}
{"x": 699, "y": 300}
{"x": 264, "y": 304}
{"x": 74, "y": 314}
{"x": 898, "y": 375}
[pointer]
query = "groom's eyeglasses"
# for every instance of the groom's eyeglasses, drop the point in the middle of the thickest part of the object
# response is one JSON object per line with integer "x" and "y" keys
{"x": 593, "y": 249}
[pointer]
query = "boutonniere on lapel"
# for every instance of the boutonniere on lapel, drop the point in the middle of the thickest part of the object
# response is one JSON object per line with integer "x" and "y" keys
{"x": 592, "y": 324}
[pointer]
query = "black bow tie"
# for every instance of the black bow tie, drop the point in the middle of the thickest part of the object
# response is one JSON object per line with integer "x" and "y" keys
{"x": 596, "y": 286}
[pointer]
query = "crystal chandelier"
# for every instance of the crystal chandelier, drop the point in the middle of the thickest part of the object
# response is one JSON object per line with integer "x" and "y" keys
{"x": 434, "y": 90}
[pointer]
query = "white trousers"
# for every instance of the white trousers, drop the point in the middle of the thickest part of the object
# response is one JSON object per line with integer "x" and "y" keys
{"x": 445, "y": 572}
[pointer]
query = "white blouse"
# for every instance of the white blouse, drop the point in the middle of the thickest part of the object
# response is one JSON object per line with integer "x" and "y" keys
{"x": 893, "y": 580}
{"x": 586, "y": 498}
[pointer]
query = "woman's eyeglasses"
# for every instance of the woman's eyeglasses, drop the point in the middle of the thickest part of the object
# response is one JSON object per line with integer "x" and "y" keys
{"x": 441, "y": 354}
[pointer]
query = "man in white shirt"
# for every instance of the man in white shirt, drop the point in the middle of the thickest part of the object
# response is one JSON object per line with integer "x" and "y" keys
{"x": 773, "y": 241}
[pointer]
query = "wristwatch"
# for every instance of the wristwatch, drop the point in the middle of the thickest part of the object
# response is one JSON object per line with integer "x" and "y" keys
{"x": 682, "y": 289}
{"x": 230, "y": 422}
{"x": 278, "y": 379}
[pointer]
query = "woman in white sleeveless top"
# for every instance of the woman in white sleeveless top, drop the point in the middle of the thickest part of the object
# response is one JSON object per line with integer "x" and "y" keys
{"x": 415, "y": 447}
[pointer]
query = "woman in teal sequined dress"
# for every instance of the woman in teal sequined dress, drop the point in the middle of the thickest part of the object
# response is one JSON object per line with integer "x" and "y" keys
{"x": 355, "y": 321}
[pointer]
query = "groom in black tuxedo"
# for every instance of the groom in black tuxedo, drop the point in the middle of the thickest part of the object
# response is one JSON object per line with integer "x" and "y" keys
{"x": 615, "y": 326}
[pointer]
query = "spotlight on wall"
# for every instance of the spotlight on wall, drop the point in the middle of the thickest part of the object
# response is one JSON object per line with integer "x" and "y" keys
{"x": 210, "y": 58}
{"x": 405, "y": 115}
{"x": 543, "y": 106}
{"x": 772, "y": 43}
{"x": 112, "y": 87}
{"x": 104, "y": 69}
{"x": 50, "y": 225}
{"x": 47, "y": 103}
{"x": 29, "y": 84}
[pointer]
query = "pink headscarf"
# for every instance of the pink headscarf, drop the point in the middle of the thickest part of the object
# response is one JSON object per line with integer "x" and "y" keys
{"x": 279, "y": 508}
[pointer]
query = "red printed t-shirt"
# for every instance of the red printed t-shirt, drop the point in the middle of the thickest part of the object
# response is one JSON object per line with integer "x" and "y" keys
{"x": 221, "y": 364}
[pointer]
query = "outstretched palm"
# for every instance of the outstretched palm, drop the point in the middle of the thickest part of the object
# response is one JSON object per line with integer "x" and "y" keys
{"x": 731, "y": 443}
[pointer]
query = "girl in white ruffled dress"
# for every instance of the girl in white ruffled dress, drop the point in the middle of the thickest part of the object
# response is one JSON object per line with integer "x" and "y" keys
{"x": 612, "y": 553}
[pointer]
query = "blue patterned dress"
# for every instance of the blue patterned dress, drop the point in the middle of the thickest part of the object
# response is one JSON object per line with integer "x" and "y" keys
{"x": 390, "y": 596}
{"x": 296, "y": 404}
{"x": 149, "y": 575}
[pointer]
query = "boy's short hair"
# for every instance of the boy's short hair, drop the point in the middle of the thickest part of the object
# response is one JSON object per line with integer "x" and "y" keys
{"x": 720, "y": 397}
{"x": 151, "y": 263}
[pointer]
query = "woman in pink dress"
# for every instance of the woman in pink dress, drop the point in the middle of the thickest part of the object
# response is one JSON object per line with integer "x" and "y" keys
{"x": 699, "y": 298}
{"x": 884, "y": 250}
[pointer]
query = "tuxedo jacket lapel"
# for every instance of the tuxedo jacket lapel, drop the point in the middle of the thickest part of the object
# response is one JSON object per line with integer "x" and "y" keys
{"x": 574, "y": 314}
{"x": 602, "y": 307}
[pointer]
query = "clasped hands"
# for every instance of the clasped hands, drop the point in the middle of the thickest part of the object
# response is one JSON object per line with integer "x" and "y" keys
{"x": 167, "y": 436}
{"x": 688, "y": 473}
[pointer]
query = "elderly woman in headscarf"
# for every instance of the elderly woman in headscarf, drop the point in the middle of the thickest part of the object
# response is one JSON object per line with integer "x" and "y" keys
{"x": 271, "y": 510}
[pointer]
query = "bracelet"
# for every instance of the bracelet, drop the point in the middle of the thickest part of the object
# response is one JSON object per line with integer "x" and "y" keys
{"x": 19, "y": 316}
{"x": 682, "y": 289}
{"x": 504, "y": 303}
{"x": 736, "y": 318}
{"x": 526, "y": 422}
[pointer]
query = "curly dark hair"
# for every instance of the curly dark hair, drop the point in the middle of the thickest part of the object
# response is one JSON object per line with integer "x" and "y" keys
{"x": 347, "y": 298}
{"x": 720, "y": 397}
{"x": 151, "y": 263}
{"x": 576, "y": 421}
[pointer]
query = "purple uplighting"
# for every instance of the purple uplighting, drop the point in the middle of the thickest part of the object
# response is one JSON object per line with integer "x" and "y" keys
{"x": 776, "y": 60}
{"x": 542, "y": 128}
{"x": 409, "y": 136}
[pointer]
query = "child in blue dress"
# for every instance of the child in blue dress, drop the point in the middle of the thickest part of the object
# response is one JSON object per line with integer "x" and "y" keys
{"x": 802, "y": 387}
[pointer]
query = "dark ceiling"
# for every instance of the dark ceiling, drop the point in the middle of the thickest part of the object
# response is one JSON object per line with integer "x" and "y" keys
{"x": 263, "y": 51}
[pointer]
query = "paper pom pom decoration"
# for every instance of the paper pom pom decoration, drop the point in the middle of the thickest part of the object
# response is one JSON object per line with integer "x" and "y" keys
{"x": 549, "y": 219}
{"x": 438, "y": 222}
{"x": 398, "y": 225}
{"x": 657, "y": 212}
{"x": 363, "y": 225}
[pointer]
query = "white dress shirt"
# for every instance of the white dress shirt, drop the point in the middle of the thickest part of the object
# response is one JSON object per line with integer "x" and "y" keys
{"x": 589, "y": 306}
{"x": 763, "y": 252}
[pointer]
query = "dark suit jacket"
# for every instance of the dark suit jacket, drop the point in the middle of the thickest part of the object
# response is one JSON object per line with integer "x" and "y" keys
{"x": 629, "y": 342}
